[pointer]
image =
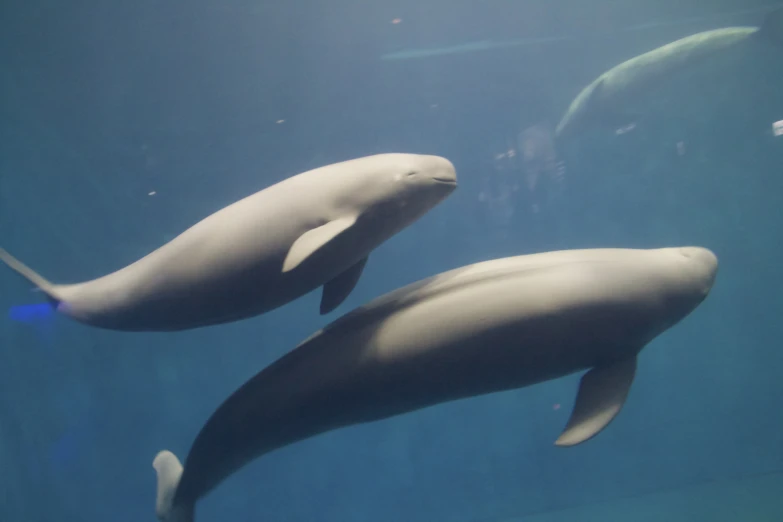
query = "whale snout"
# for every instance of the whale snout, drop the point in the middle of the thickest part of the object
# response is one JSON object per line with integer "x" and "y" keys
{"x": 702, "y": 255}
{"x": 441, "y": 170}
{"x": 704, "y": 263}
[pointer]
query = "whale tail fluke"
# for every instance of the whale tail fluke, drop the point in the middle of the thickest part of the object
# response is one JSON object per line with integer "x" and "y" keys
{"x": 169, "y": 471}
{"x": 42, "y": 284}
{"x": 772, "y": 27}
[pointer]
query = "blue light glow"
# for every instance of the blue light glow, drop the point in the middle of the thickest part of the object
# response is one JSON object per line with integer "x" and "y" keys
{"x": 30, "y": 313}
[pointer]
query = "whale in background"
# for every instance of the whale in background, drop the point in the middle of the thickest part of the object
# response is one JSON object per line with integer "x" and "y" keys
{"x": 610, "y": 99}
{"x": 483, "y": 328}
{"x": 313, "y": 229}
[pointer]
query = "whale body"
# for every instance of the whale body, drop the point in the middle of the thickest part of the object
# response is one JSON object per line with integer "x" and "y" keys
{"x": 610, "y": 99}
{"x": 483, "y": 328}
{"x": 313, "y": 229}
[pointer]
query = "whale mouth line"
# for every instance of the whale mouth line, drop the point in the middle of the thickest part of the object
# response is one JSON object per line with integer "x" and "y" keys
{"x": 445, "y": 180}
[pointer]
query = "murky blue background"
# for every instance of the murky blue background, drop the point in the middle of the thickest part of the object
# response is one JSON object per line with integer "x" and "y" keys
{"x": 123, "y": 123}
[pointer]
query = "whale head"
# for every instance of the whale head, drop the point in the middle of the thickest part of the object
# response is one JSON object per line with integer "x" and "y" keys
{"x": 701, "y": 269}
{"x": 687, "y": 276}
{"x": 621, "y": 298}
{"x": 398, "y": 188}
{"x": 670, "y": 285}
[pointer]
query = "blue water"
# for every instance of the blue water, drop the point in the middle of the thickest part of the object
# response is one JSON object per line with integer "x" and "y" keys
{"x": 123, "y": 123}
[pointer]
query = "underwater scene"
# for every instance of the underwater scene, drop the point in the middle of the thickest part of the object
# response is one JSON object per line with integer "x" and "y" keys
{"x": 350, "y": 261}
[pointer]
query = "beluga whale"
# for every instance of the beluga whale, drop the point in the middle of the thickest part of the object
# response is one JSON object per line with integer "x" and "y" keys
{"x": 483, "y": 328}
{"x": 313, "y": 229}
{"x": 612, "y": 98}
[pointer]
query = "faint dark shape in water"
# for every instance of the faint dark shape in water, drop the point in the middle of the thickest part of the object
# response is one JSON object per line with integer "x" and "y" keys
{"x": 64, "y": 452}
{"x": 64, "y": 449}
{"x": 526, "y": 177}
{"x": 536, "y": 147}
{"x": 499, "y": 188}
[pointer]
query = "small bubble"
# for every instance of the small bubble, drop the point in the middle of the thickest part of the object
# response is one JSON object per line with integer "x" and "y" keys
{"x": 556, "y": 406}
{"x": 396, "y": 21}
{"x": 681, "y": 148}
{"x": 152, "y": 193}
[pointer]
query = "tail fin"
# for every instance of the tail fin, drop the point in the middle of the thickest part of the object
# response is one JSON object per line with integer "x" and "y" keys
{"x": 169, "y": 471}
{"x": 772, "y": 27}
{"x": 17, "y": 266}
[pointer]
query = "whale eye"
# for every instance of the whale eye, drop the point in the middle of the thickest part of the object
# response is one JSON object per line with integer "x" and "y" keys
{"x": 411, "y": 174}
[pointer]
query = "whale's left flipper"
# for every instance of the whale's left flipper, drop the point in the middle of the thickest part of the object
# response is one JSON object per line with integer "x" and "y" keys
{"x": 602, "y": 392}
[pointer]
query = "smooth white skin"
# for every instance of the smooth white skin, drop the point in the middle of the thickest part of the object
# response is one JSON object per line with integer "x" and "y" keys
{"x": 487, "y": 327}
{"x": 229, "y": 266}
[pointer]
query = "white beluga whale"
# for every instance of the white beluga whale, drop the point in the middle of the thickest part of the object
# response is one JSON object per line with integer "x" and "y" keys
{"x": 261, "y": 252}
{"x": 483, "y": 328}
{"x": 613, "y": 98}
